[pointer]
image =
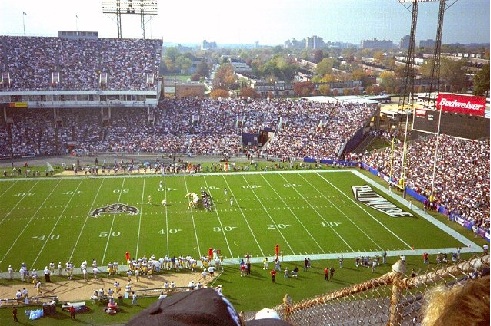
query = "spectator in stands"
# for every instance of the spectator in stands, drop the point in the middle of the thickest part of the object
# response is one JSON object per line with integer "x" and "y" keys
{"x": 465, "y": 303}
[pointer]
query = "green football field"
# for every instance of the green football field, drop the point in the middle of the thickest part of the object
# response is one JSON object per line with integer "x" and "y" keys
{"x": 305, "y": 213}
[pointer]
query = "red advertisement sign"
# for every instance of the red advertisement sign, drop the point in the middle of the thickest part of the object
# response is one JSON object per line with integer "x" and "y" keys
{"x": 464, "y": 104}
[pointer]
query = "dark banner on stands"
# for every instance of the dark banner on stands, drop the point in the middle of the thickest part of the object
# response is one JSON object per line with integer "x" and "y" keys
{"x": 441, "y": 209}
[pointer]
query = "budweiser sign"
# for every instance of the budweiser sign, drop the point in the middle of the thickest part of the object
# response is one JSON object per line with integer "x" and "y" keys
{"x": 463, "y": 104}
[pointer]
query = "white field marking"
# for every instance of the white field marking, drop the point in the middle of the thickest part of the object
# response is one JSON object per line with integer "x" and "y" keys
{"x": 320, "y": 216}
{"x": 30, "y": 219}
{"x": 8, "y": 188}
{"x": 344, "y": 214}
{"x": 86, "y": 219}
{"x": 363, "y": 209}
{"x": 219, "y": 220}
{"x": 456, "y": 235}
{"x": 269, "y": 215}
{"x": 352, "y": 255}
{"x": 177, "y": 175}
{"x": 40, "y": 250}
{"x": 140, "y": 220}
{"x": 112, "y": 225}
{"x": 192, "y": 219}
{"x": 166, "y": 212}
{"x": 285, "y": 205}
{"x": 17, "y": 204}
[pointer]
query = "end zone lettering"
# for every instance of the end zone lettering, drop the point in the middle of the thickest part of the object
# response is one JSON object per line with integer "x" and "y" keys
{"x": 366, "y": 195}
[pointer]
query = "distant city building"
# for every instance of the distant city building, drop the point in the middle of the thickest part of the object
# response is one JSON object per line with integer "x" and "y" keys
{"x": 278, "y": 88}
{"x": 377, "y": 44}
{"x": 340, "y": 45}
{"x": 404, "y": 43}
{"x": 205, "y": 45}
{"x": 314, "y": 42}
{"x": 241, "y": 67}
{"x": 429, "y": 43}
{"x": 294, "y": 44}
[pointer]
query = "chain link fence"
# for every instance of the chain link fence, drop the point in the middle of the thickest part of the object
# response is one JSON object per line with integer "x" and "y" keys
{"x": 392, "y": 299}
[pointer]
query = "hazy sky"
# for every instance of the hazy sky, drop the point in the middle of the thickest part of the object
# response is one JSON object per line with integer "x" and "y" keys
{"x": 267, "y": 21}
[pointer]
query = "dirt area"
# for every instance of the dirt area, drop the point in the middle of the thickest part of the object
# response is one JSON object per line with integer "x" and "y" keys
{"x": 80, "y": 290}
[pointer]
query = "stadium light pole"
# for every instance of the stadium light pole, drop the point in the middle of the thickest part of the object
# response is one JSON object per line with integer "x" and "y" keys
{"x": 130, "y": 7}
{"x": 436, "y": 153}
{"x": 392, "y": 156}
{"x": 24, "y": 22}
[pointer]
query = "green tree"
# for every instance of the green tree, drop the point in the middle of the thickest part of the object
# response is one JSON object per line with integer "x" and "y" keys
{"x": 481, "y": 82}
{"x": 324, "y": 67}
{"x": 388, "y": 81}
{"x": 324, "y": 89}
{"x": 249, "y": 92}
{"x": 317, "y": 56}
{"x": 224, "y": 77}
{"x": 452, "y": 75}
{"x": 170, "y": 58}
{"x": 183, "y": 64}
{"x": 216, "y": 93}
{"x": 202, "y": 69}
{"x": 303, "y": 88}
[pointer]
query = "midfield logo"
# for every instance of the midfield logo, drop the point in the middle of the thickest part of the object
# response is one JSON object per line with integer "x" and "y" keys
{"x": 366, "y": 195}
{"x": 114, "y": 209}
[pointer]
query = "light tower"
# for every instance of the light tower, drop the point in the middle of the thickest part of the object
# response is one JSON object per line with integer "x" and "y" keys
{"x": 130, "y": 7}
{"x": 409, "y": 73}
{"x": 408, "y": 86}
{"x": 435, "y": 68}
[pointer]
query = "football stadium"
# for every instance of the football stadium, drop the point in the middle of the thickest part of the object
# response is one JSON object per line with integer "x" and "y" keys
{"x": 123, "y": 205}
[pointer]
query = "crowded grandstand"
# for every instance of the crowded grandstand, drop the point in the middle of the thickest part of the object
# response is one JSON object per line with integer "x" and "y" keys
{"x": 94, "y": 97}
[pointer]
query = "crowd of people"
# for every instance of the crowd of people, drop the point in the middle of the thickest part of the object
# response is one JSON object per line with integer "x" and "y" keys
{"x": 78, "y": 64}
{"x": 191, "y": 126}
{"x": 301, "y": 128}
{"x": 459, "y": 180}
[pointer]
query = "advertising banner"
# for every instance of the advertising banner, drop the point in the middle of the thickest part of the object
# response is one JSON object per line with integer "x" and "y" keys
{"x": 463, "y": 104}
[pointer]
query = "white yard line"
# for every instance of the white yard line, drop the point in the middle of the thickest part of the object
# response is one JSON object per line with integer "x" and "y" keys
{"x": 29, "y": 222}
{"x": 192, "y": 219}
{"x": 344, "y": 214}
{"x": 244, "y": 216}
{"x": 40, "y": 250}
{"x": 86, "y": 219}
{"x": 17, "y": 204}
{"x": 367, "y": 212}
{"x": 270, "y": 217}
{"x": 140, "y": 219}
{"x": 322, "y": 218}
{"x": 7, "y": 189}
{"x": 311, "y": 236}
{"x": 456, "y": 235}
{"x": 109, "y": 234}
{"x": 219, "y": 221}
{"x": 166, "y": 213}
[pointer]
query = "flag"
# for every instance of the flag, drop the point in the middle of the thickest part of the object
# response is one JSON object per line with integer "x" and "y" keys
{"x": 76, "y": 16}
{"x": 24, "y": 13}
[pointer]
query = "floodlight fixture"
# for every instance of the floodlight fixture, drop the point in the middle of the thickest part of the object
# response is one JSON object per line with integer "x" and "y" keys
{"x": 130, "y": 7}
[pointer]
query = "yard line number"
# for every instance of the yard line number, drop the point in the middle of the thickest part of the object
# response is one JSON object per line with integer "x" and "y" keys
{"x": 277, "y": 226}
{"x": 121, "y": 191}
{"x": 330, "y": 224}
{"x": 170, "y": 231}
{"x": 24, "y": 194}
{"x": 47, "y": 237}
{"x": 224, "y": 228}
{"x": 105, "y": 234}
